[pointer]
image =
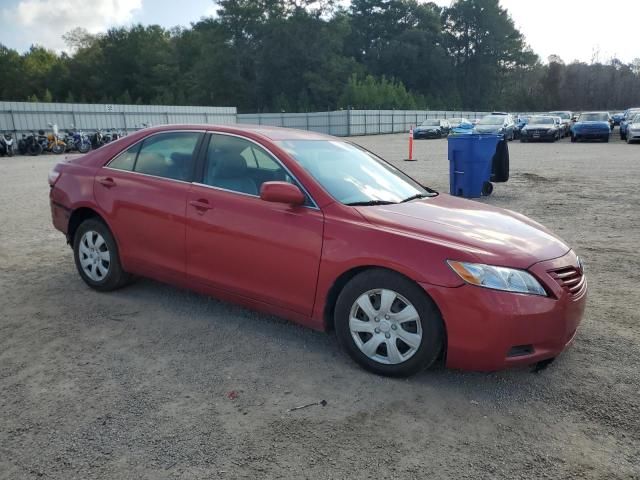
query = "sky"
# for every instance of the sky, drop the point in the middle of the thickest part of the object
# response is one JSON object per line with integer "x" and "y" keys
{"x": 573, "y": 29}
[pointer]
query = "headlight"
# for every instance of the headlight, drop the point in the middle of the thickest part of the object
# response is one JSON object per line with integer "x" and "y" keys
{"x": 497, "y": 278}
{"x": 501, "y": 129}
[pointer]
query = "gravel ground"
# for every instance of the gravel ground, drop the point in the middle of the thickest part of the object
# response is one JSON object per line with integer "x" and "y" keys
{"x": 156, "y": 382}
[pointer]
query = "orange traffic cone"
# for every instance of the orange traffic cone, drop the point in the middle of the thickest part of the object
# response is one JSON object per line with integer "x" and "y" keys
{"x": 410, "y": 159}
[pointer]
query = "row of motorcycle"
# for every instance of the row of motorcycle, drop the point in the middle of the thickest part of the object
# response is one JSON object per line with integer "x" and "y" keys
{"x": 56, "y": 142}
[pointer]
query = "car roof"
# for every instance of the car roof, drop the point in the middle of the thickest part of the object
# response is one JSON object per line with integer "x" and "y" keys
{"x": 266, "y": 131}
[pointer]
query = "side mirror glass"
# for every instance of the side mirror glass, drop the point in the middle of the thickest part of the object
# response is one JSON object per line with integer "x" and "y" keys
{"x": 281, "y": 192}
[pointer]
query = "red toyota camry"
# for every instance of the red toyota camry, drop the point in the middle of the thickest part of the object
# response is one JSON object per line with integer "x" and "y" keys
{"x": 320, "y": 231}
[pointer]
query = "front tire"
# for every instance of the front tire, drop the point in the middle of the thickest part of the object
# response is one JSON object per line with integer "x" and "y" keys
{"x": 387, "y": 324}
{"x": 34, "y": 149}
{"x": 96, "y": 256}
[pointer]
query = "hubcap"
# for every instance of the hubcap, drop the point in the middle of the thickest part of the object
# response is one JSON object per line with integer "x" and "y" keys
{"x": 95, "y": 258}
{"x": 385, "y": 326}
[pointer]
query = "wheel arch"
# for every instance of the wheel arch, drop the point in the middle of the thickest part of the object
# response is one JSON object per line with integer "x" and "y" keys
{"x": 344, "y": 278}
{"x": 78, "y": 216}
{"x": 341, "y": 281}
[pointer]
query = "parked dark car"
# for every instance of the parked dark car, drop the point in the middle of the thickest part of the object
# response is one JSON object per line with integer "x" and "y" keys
{"x": 318, "y": 230}
{"x": 499, "y": 123}
{"x": 565, "y": 118}
{"x": 591, "y": 126}
{"x": 540, "y": 128}
{"x": 432, "y": 129}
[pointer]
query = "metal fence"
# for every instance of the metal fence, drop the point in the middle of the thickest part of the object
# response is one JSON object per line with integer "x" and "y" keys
{"x": 22, "y": 117}
{"x": 345, "y": 123}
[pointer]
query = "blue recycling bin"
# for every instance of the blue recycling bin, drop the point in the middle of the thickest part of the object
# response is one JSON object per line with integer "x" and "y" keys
{"x": 470, "y": 164}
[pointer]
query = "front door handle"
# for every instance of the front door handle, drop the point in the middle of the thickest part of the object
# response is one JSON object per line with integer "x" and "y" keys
{"x": 107, "y": 182}
{"x": 200, "y": 205}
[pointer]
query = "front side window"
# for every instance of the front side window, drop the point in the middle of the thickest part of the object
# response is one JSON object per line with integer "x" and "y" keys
{"x": 352, "y": 175}
{"x": 168, "y": 155}
{"x": 236, "y": 164}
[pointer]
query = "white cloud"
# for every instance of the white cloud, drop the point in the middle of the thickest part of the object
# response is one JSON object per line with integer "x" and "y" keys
{"x": 48, "y": 20}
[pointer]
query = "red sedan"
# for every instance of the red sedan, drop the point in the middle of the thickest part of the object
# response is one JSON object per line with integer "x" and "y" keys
{"x": 320, "y": 231}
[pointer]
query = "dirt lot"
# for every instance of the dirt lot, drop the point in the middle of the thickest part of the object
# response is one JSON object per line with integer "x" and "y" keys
{"x": 135, "y": 384}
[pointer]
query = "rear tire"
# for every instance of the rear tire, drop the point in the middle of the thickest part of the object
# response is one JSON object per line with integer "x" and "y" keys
{"x": 395, "y": 309}
{"x": 96, "y": 256}
{"x": 605, "y": 138}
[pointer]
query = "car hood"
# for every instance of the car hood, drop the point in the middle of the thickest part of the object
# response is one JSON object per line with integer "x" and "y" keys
{"x": 487, "y": 234}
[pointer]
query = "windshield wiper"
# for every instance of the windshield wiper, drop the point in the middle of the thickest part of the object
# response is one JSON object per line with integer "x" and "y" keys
{"x": 419, "y": 195}
{"x": 369, "y": 203}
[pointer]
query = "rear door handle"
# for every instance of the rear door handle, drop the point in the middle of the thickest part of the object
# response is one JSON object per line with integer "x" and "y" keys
{"x": 200, "y": 205}
{"x": 107, "y": 182}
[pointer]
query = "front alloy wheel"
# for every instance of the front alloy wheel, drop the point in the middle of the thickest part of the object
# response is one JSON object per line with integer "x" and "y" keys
{"x": 385, "y": 326}
{"x": 388, "y": 324}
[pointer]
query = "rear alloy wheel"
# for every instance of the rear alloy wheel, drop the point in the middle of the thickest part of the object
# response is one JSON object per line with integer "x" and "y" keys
{"x": 96, "y": 256}
{"x": 388, "y": 324}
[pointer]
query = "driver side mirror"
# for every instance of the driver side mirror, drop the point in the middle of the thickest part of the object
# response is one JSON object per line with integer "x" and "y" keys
{"x": 281, "y": 192}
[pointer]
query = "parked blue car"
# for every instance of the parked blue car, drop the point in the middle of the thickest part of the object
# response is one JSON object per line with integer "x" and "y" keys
{"x": 617, "y": 117}
{"x": 629, "y": 113}
{"x": 591, "y": 125}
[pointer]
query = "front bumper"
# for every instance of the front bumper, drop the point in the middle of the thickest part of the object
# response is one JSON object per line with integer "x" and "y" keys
{"x": 633, "y": 134}
{"x": 542, "y": 135}
{"x": 490, "y": 330}
{"x": 594, "y": 134}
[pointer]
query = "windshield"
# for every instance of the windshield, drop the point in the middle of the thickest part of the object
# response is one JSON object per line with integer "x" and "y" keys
{"x": 492, "y": 120}
{"x": 541, "y": 121}
{"x": 430, "y": 123}
{"x": 350, "y": 174}
{"x": 593, "y": 117}
{"x": 562, "y": 115}
{"x": 636, "y": 119}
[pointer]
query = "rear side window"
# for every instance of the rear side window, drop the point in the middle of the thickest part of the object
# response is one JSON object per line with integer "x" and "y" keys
{"x": 168, "y": 155}
{"x": 126, "y": 160}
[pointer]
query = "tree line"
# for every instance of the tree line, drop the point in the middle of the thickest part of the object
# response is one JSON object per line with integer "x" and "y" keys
{"x": 307, "y": 55}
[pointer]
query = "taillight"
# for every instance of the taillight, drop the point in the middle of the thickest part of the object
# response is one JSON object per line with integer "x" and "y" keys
{"x": 54, "y": 175}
